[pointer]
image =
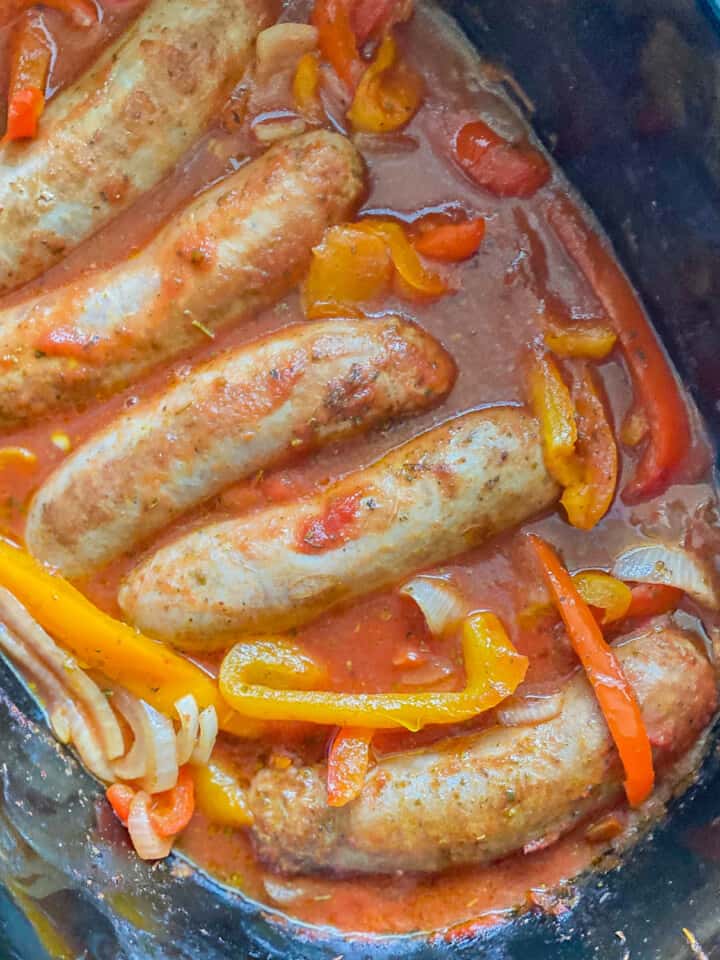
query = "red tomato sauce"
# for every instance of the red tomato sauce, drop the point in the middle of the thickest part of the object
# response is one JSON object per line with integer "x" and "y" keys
{"x": 381, "y": 643}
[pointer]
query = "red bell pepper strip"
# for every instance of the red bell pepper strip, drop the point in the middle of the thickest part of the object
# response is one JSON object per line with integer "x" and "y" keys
{"x": 451, "y": 242}
{"x": 119, "y": 796}
{"x": 503, "y": 168}
{"x": 348, "y": 762}
{"x": 337, "y": 41}
{"x": 371, "y": 17}
{"x": 31, "y": 57}
{"x": 652, "y": 599}
{"x": 171, "y": 811}
{"x": 615, "y": 696}
{"x": 656, "y": 389}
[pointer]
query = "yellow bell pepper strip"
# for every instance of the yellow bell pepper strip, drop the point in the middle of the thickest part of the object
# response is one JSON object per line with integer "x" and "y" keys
{"x": 219, "y": 796}
{"x": 552, "y": 405}
{"x": 305, "y": 85}
{"x": 277, "y": 663}
{"x": 494, "y": 669}
{"x": 30, "y": 64}
{"x": 657, "y": 392}
{"x": 587, "y": 500}
{"x": 145, "y": 667}
{"x": 388, "y": 95}
{"x": 336, "y": 40}
{"x": 347, "y": 765}
{"x": 604, "y": 592}
{"x": 590, "y": 341}
{"x": 350, "y": 266}
{"x": 416, "y": 280}
{"x": 615, "y": 696}
{"x": 17, "y": 457}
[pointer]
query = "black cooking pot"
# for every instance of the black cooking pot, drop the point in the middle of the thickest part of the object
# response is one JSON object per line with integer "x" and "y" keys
{"x": 627, "y": 97}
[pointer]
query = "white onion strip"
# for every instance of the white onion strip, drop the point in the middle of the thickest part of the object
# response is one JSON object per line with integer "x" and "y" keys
{"x": 187, "y": 710}
{"x": 529, "y": 711}
{"x": 440, "y": 602}
{"x": 669, "y": 565}
{"x": 148, "y": 843}
{"x": 207, "y": 736}
{"x": 152, "y": 758}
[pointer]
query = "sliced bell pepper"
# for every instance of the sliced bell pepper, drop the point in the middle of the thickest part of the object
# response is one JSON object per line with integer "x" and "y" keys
{"x": 172, "y": 810}
{"x": 277, "y": 663}
{"x": 415, "y": 279}
{"x": 17, "y": 456}
{"x": 83, "y": 13}
{"x": 370, "y": 17}
{"x": 450, "y": 242}
{"x": 589, "y": 497}
{"x": 351, "y": 266}
{"x": 348, "y": 762}
{"x": 615, "y": 696}
{"x": 494, "y": 669}
{"x": 145, "y": 667}
{"x": 503, "y": 168}
{"x": 305, "y": 84}
{"x": 119, "y": 796}
{"x": 656, "y": 389}
{"x": 552, "y": 405}
{"x": 590, "y": 341}
{"x": 652, "y": 599}
{"x": 31, "y": 56}
{"x": 604, "y": 592}
{"x": 389, "y": 93}
{"x": 219, "y": 796}
{"x": 336, "y": 40}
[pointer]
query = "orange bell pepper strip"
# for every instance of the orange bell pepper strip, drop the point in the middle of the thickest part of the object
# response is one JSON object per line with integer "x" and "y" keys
{"x": 30, "y": 64}
{"x": 604, "y": 592}
{"x": 388, "y": 95}
{"x": 588, "y": 498}
{"x": 348, "y": 763}
{"x": 498, "y": 166}
{"x": 145, "y": 667}
{"x": 119, "y": 796}
{"x": 415, "y": 280}
{"x": 589, "y": 341}
{"x": 305, "y": 85}
{"x": 451, "y": 242}
{"x": 350, "y": 266}
{"x": 615, "y": 696}
{"x": 494, "y": 669}
{"x": 219, "y": 796}
{"x": 653, "y": 599}
{"x": 172, "y": 810}
{"x": 657, "y": 391}
{"x": 552, "y": 405}
{"x": 336, "y": 40}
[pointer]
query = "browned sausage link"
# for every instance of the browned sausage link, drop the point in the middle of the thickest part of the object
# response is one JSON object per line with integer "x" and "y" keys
{"x": 290, "y": 392}
{"x": 236, "y": 248}
{"x": 430, "y": 499}
{"x": 484, "y": 796}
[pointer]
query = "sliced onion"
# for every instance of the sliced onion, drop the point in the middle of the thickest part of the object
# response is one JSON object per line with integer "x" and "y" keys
{"x": 207, "y": 736}
{"x": 17, "y": 618}
{"x": 280, "y": 47}
{"x": 440, "y": 601}
{"x": 60, "y": 723}
{"x": 149, "y": 845}
{"x": 154, "y": 750}
{"x": 529, "y": 711}
{"x": 49, "y": 687}
{"x": 672, "y": 566}
{"x": 87, "y": 743}
{"x": 187, "y": 710}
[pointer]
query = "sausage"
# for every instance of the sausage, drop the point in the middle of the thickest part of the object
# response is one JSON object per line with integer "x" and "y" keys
{"x": 244, "y": 410}
{"x": 240, "y": 245}
{"x": 120, "y": 128}
{"x": 481, "y": 797}
{"x": 442, "y": 493}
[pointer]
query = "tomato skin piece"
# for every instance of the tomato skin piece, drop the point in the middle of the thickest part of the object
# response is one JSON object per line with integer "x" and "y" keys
{"x": 504, "y": 169}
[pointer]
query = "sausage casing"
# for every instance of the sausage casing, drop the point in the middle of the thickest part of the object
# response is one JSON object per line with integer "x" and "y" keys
{"x": 120, "y": 128}
{"x": 236, "y": 248}
{"x": 444, "y": 492}
{"x": 481, "y": 797}
{"x": 243, "y": 411}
